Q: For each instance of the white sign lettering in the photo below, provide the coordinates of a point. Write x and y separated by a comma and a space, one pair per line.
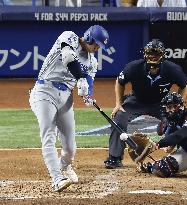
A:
177, 16
71, 16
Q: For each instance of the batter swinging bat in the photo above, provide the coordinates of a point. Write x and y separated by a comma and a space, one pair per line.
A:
129, 141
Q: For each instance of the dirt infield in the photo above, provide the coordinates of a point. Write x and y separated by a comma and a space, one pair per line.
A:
26, 182
24, 178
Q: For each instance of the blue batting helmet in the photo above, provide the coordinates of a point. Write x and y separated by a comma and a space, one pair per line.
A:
98, 35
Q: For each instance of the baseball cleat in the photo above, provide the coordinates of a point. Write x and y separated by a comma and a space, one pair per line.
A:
113, 163
70, 173
61, 185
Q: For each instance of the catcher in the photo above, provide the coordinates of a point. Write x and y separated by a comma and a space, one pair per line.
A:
174, 128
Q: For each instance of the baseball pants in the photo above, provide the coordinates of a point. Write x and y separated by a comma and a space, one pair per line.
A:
54, 111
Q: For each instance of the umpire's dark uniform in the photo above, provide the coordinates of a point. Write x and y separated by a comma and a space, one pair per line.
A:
147, 93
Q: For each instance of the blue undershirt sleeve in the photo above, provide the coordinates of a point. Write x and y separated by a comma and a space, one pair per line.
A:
90, 83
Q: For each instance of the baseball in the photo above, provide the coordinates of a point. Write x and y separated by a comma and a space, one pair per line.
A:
123, 136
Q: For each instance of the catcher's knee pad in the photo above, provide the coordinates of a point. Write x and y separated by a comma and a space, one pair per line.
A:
165, 167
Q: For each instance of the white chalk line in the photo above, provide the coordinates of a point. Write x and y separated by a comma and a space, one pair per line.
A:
102, 186
106, 184
7, 182
150, 192
18, 198
30, 148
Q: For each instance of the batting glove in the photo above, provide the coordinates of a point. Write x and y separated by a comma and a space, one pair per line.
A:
82, 86
88, 100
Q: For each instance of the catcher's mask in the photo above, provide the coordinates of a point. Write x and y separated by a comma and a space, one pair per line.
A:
173, 106
154, 53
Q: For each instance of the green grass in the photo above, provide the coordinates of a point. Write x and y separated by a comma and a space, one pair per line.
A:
92, 141
87, 119
19, 128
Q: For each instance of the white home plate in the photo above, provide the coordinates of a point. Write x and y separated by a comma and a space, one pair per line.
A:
150, 192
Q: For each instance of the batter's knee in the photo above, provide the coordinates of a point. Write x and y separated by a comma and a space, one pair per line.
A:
166, 167
68, 152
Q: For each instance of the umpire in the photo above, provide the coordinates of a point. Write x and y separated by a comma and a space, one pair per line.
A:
151, 79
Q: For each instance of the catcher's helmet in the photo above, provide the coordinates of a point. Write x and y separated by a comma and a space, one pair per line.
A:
97, 34
173, 106
154, 52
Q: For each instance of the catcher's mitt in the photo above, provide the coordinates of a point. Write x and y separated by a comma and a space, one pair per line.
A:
145, 147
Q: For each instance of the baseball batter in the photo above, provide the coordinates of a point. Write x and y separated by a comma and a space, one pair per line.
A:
174, 128
70, 61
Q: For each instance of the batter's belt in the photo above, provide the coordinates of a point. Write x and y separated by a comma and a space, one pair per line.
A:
58, 85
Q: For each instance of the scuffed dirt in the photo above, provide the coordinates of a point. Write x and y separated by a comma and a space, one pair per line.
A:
24, 180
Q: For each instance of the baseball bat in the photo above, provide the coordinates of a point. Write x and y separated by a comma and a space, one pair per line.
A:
129, 141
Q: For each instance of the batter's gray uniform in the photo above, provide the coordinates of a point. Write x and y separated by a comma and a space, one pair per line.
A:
52, 102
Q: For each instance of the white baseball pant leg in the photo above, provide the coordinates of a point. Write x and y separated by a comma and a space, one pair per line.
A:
46, 112
66, 133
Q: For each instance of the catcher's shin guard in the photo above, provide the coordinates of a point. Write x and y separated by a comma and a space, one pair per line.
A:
166, 167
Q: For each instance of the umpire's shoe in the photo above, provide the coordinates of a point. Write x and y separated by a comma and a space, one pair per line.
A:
113, 162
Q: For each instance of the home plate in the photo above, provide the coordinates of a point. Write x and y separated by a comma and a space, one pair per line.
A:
150, 192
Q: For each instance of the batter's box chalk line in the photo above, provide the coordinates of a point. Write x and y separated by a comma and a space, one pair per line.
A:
101, 186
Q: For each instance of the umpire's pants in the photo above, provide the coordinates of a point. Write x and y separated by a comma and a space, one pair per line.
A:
133, 109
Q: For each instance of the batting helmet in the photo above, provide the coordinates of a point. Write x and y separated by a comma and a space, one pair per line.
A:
154, 52
98, 35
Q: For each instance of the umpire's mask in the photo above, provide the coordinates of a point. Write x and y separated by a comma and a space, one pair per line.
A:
154, 53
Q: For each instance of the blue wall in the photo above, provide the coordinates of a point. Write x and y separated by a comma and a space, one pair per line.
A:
27, 34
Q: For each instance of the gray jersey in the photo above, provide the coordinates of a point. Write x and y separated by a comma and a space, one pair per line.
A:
53, 68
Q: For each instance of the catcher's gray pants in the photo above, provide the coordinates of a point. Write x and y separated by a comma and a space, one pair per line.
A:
54, 111
181, 156
133, 109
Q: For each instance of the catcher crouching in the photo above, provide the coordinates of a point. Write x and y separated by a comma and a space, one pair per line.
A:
174, 128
